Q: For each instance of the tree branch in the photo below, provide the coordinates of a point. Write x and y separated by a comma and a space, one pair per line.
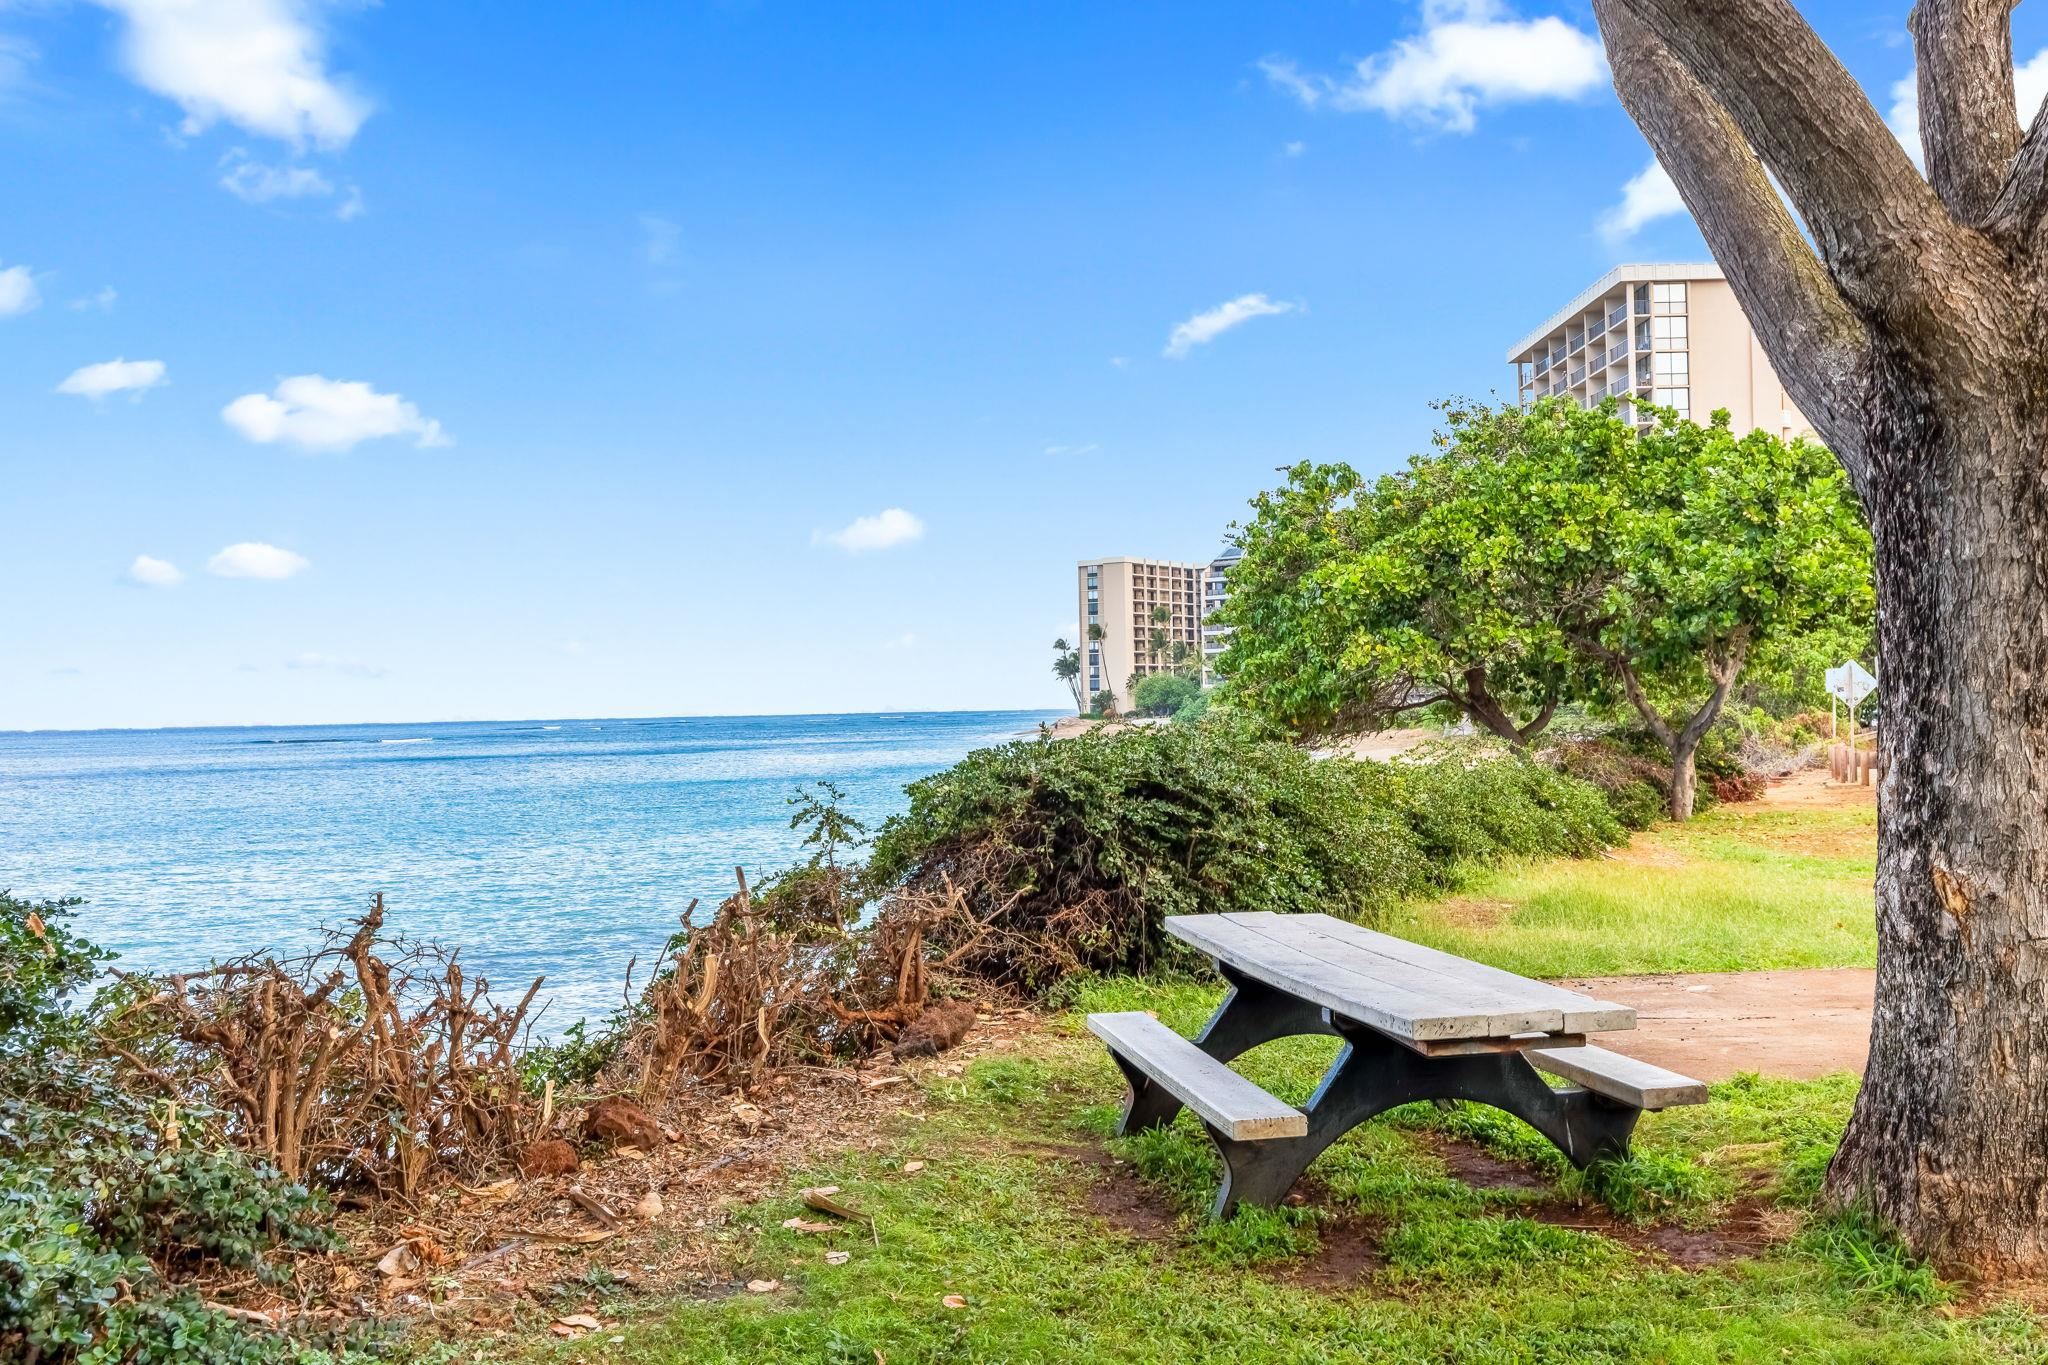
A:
2016, 215
1968, 130
1723, 669
1885, 237
1818, 346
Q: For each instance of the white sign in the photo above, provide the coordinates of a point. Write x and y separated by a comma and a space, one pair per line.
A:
1850, 683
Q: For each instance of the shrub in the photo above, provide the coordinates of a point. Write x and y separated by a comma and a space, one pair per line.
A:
106, 1195
1162, 694
1072, 853
1489, 809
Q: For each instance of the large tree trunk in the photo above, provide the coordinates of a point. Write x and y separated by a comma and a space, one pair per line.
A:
1950, 1137
1909, 327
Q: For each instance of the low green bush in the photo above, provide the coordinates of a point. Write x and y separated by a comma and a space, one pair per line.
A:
1072, 853
1162, 694
109, 1197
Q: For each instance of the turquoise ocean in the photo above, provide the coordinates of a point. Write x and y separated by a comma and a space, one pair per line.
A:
561, 848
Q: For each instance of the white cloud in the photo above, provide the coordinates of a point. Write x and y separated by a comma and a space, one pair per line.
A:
1203, 328
254, 559
348, 666
114, 376
1294, 149
101, 299
1088, 449
150, 572
907, 640
253, 182
317, 413
1648, 196
258, 64
18, 292
351, 206
1470, 54
1122, 362
889, 527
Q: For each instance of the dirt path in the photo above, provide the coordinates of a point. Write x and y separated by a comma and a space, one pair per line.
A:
1797, 1024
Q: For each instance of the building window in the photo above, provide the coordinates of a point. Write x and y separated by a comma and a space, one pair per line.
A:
1679, 400
1666, 299
1642, 298
1669, 332
1671, 367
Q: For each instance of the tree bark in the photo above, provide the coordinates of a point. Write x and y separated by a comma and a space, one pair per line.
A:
1949, 1140
1930, 380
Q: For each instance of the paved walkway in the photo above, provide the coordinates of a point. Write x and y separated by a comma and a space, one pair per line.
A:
1796, 1024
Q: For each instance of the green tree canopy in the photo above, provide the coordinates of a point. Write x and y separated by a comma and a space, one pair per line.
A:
1539, 557
1356, 601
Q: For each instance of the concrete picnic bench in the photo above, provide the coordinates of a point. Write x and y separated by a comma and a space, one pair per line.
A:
1417, 1024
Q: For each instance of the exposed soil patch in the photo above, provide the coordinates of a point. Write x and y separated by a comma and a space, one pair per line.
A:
1347, 1253
1481, 1169
1747, 1228
1129, 1205
1812, 787
1799, 1024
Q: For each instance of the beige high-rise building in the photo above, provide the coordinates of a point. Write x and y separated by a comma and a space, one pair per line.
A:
1672, 335
1119, 594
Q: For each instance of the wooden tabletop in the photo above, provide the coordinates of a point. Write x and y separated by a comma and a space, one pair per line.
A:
1419, 995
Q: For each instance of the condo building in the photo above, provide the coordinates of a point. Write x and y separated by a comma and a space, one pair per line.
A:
1215, 585
1671, 335
1119, 595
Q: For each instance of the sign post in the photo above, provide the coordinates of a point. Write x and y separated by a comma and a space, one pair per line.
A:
1851, 684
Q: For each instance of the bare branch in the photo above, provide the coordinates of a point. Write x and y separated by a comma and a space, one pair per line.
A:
1968, 129
1885, 237
1817, 344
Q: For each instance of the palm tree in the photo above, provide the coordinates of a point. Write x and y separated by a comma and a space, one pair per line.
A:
1066, 666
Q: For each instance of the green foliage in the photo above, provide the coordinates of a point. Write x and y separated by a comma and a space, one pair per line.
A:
1355, 599
1066, 666
1645, 1184
1492, 809
107, 1194
1869, 1256
1163, 694
1551, 555
1079, 849
43, 964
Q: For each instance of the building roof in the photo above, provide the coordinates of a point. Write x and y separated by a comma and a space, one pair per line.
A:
1606, 284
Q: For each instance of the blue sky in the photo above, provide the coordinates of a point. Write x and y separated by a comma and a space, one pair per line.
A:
680, 358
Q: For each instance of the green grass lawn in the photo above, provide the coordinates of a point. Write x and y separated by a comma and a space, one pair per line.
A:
1427, 1235
1740, 888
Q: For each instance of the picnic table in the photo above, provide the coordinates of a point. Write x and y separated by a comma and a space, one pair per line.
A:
1417, 1024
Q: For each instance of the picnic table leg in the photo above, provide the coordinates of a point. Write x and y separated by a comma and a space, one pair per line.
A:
1250, 1014
1374, 1073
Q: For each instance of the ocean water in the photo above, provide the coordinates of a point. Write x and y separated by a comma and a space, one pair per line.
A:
557, 848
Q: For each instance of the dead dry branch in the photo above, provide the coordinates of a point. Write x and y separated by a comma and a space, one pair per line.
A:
368, 1064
